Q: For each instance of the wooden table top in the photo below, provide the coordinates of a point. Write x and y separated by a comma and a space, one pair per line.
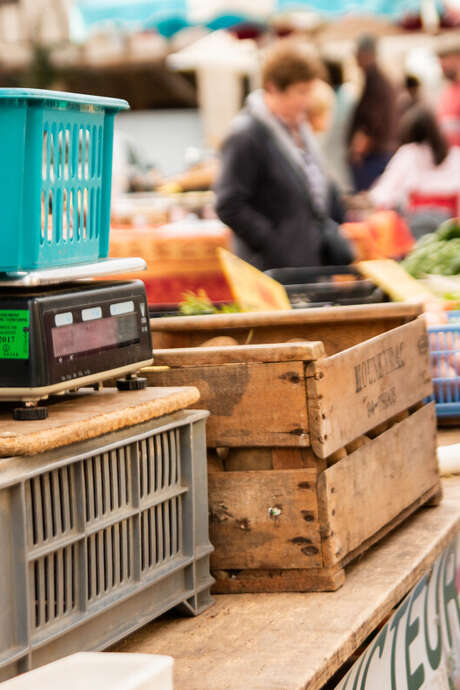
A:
298, 641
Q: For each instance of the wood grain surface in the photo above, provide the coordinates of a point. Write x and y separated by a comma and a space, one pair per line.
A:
361, 312
264, 519
253, 404
354, 391
276, 581
208, 356
363, 492
298, 641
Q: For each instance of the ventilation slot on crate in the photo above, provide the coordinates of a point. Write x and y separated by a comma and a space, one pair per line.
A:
107, 481
50, 510
109, 555
161, 533
445, 355
71, 171
159, 462
54, 585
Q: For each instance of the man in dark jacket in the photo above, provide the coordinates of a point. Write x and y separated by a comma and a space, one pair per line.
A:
373, 131
272, 191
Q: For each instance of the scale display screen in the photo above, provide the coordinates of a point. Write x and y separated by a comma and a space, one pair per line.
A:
96, 334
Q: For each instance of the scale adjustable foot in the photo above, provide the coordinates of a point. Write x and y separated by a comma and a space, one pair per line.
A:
131, 383
30, 411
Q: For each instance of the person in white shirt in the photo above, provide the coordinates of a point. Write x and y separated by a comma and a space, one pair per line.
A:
423, 171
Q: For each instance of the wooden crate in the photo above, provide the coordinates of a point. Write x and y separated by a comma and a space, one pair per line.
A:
336, 327
312, 458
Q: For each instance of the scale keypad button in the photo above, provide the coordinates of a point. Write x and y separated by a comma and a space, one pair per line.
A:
121, 308
63, 319
91, 313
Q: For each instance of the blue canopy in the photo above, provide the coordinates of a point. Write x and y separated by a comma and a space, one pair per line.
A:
166, 16
387, 8
169, 16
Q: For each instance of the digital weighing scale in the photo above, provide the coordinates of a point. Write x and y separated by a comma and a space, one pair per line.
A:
56, 337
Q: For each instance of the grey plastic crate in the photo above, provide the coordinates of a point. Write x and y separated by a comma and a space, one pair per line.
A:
99, 538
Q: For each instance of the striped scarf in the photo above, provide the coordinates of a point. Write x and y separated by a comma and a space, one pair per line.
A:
298, 146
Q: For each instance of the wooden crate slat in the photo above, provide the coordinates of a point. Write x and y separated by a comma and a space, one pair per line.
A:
255, 404
231, 354
288, 580
354, 391
295, 458
264, 519
365, 491
359, 312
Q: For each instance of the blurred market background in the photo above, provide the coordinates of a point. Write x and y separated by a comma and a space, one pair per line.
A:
186, 66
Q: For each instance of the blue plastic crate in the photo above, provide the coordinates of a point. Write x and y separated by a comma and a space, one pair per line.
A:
55, 177
444, 348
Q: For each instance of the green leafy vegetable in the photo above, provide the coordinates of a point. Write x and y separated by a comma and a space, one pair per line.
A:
196, 304
449, 229
436, 253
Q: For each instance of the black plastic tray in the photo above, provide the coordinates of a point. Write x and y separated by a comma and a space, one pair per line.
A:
314, 285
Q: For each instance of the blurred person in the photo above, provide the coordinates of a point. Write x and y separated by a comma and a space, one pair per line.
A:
411, 93
423, 172
449, 103
131, 171
334, 140
372, 135
272, 190
320, 107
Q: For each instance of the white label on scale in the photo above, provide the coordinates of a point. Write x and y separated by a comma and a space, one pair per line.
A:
64, 319
121, 308
91, 313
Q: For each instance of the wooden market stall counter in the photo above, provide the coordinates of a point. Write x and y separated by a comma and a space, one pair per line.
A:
297, 641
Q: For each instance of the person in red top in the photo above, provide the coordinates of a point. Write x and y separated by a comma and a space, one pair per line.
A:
449, 104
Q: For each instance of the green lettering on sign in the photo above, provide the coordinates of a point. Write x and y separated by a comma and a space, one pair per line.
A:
14, 334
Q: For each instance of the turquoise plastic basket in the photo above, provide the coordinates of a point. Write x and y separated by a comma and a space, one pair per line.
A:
55, 177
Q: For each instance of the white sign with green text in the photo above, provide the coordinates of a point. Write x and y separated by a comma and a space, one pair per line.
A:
419, 647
